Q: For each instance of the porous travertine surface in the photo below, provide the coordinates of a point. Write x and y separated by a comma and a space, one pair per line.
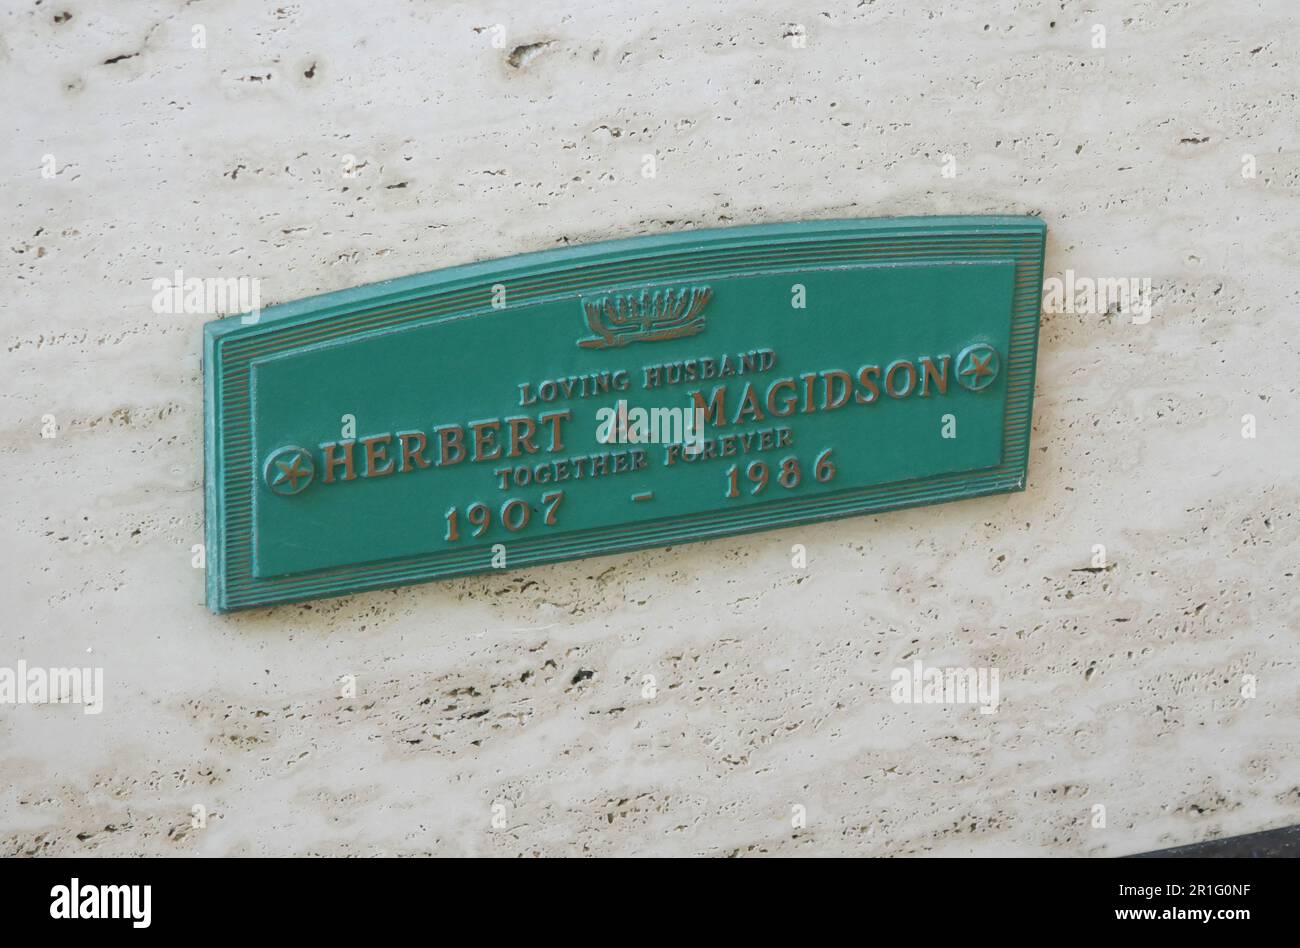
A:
509, 714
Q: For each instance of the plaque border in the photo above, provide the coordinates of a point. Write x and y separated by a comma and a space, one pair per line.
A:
465, 292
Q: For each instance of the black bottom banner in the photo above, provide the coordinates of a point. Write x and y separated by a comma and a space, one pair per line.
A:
1176, 895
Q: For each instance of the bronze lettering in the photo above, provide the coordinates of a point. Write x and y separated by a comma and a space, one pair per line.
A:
485, 440
378, 463
553, 419
894, 367
451, 445
939, 376
809, 379
866, 378
331, 461
830, 403
789, 405
749, 405
412, 444
522, 431
715, 410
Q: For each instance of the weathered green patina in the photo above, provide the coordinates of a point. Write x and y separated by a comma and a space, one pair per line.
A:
615, 396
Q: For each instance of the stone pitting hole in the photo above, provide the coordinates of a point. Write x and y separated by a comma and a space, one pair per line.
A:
522, 55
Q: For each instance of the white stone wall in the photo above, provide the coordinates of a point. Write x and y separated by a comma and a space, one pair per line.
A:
1121, 685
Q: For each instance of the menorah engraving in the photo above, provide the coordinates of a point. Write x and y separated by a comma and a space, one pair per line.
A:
650, 315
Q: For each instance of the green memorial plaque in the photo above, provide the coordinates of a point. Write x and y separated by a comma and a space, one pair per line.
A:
637, 393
